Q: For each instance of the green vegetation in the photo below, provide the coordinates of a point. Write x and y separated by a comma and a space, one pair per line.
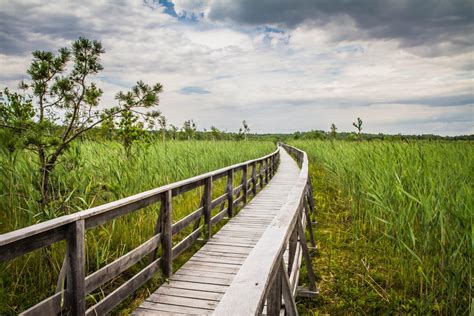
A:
93, 173
60, 104
395, 224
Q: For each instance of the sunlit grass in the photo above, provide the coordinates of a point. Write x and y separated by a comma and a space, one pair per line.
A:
413, 200
92, 174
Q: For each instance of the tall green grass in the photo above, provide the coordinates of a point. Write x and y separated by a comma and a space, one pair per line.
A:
94, 173
416, 196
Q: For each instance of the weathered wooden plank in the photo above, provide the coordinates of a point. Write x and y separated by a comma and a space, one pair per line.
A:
175, 308
219, 216
186, 243
208, 258
244, 183
116, 267
229, 191
238, 200
216, 274
238, 189
207, 205
213, 263
157, 231
287, 294
20, 247
230, 244
201, 279
217, 201
49, 306
223, 254
254, 179
307, 258
189, 293
166, 235
198, 286
141, 311
120, 210
274, 294
213, 266
234, 242
182, 223
232, 249
186, 187
77, 261
113, 299
181, 301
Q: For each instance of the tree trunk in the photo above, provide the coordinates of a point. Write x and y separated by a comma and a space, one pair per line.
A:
45, 184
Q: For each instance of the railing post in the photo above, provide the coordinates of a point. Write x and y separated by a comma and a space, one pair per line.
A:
274, 296
308, 219
166, 238
306, 256
158, 228
244, 183
207, 205
230, 193
254, 178
293, 242
267, 170
272, 166
261, 175
76, 273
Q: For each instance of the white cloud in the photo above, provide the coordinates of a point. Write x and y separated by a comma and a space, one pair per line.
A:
277, 81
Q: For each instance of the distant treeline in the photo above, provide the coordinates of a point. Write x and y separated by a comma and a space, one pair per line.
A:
215, 134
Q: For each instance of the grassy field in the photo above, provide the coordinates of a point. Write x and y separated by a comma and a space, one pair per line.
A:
394, 218
395, 226
95, 173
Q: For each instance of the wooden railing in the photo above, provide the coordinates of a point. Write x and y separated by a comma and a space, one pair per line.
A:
265, 280
72, 228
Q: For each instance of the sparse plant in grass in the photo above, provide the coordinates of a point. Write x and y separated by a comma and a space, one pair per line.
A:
358, 125
216, 133
162, 123
244, 130
189, 129
333, 131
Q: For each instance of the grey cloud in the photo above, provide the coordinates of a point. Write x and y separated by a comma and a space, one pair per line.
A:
22, 32
446, 100
414, 23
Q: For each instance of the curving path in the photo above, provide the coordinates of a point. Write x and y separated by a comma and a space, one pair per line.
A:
198, 286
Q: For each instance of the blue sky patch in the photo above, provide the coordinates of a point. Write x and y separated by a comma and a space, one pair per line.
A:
193, 90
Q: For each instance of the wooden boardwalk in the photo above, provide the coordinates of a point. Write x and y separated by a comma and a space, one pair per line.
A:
198, 286
249, 267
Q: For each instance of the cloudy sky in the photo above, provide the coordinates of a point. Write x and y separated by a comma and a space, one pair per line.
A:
403, 66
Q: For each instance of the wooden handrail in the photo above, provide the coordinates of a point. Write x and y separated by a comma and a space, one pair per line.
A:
263, 277
72, 228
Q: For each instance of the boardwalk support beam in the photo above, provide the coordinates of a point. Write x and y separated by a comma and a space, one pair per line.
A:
166, 240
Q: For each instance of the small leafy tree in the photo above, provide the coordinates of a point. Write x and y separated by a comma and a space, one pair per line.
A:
333, 130
162, 123
244, 130
358, 125
61, 105
189, 129
215, 132
130, 131
173, 131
